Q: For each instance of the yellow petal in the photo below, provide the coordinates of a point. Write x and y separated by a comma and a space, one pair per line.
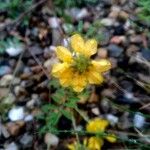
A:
90, 47
95, 143
111, 138
101, 65
77, 43
66, 77
94, 77
63, 54
58, 69
97, 125
78, 82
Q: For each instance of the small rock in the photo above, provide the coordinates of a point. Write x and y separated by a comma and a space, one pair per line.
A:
54, 22
123, 15
26, 140
16, 113
5, 70
9, 99
95, 111
132, 49
50, 62
146, 54
108, 22
112, 119
114, 50
138, 120
28, 118
124, 122
12, 146
82, 14
51, 139
144, 78
7, 79
114, 62
113, 14
77, 13
118, 39
102, 53
136, 39
14, 51
14, 128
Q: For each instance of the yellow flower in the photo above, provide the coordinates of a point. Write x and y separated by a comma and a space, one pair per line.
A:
93, 143
111, 138
76, 69
97, 125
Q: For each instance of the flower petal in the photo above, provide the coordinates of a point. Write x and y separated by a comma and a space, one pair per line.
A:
66, 77
77, 43
101, 65
91, 47
97, 125
63, 54
78, 82
58, 69
111, 138
94, 77
95, 143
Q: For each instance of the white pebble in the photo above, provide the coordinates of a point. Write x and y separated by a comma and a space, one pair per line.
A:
16, 113
112, 119
51, 139
11, 146
14, 51
28, 118
138, 120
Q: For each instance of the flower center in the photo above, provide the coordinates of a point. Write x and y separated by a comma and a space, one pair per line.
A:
81, 63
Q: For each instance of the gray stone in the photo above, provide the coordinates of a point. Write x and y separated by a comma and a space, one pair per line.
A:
114, 50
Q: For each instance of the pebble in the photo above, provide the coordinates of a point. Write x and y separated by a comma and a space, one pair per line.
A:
7, 79
51, 139
12, 146
138, 120
132, 49
14, 51
95, 111
112, 119
14, 128
107, 22
5, 70
136, 39
102, 53
54, 22
77, 13
16, 113
28, 118
118, 39
26, 140
146, 54
114, 50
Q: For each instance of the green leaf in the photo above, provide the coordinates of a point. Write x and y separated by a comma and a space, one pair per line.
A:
67, 114
53, 118
80, 27
74, 99
71, 104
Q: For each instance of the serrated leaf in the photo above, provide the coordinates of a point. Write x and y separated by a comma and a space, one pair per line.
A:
53, 119
74, 99
70, 104
67, 114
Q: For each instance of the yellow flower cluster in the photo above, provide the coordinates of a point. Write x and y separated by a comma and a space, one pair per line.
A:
76, 69
95, 143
